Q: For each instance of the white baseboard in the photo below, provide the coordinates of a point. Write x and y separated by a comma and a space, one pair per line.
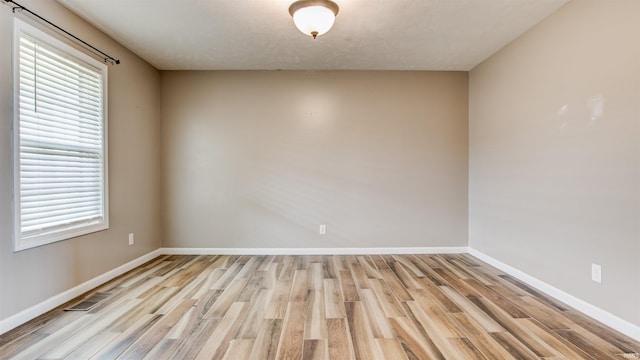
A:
314, 251
57, 300
593, 311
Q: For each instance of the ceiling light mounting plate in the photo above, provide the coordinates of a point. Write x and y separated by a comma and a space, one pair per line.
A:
297, 5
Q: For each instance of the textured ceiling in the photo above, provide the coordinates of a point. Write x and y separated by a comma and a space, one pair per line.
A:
367, 35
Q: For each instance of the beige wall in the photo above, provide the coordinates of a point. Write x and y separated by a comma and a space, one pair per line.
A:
554, 185
260, 159
31, 276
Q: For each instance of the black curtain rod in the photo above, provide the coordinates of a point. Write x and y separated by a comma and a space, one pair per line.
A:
86, 44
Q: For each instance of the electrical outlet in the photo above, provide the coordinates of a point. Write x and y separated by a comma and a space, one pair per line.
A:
132, 239
596, 273
323, 229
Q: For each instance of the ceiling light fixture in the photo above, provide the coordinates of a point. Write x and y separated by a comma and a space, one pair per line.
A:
314, 17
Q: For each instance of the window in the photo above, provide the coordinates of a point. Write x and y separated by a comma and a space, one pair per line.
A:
59, 140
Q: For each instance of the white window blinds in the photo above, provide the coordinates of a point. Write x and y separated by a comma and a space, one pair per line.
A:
60, 187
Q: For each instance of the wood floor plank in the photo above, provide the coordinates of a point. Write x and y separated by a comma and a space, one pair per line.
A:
430, 331
584, 344
54, 324
227, 299
149, 339
189, 270
408, 281
551, 317
134, 292
390, 305
379, 262
255, 283
315, 349
255, 315
248, 270
317, 307
428, 260
563, 347
406, 262
47, 343
513, 346
379, 323
278, 305
391, 349
292, 339
333, 302
89, 348
208, 282
489, 324
360, 278
185, 293
465, 349
26, 341
193, 343
361, 335
300, 286
415, 345
271, 276
96, 326
220, 338
239, 349
149, 305
315, 276
459, 284
163, 349
316, 320
397, 288
267, 340
480, 338
205, 303
448, 266
369, 267
430, 271
144, 275
597, 341
436, 293
471, 271
286, 267
179, 333
614, 338
540, 296
530, 340
127, 337
436, 315
504, 304
328, 267
339, 342
266, 263
230, 274
348, 286
340, 263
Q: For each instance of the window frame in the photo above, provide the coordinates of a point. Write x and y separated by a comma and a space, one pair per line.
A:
75, 55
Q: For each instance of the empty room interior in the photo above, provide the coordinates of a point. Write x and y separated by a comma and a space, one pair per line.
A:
416, 179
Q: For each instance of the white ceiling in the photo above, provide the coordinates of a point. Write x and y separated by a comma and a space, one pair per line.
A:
367, 35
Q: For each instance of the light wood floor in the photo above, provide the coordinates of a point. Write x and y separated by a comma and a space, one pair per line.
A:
317, 307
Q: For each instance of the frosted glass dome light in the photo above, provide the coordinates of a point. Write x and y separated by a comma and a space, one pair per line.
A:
314, 17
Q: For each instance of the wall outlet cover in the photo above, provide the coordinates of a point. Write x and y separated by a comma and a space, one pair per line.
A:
596, 273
